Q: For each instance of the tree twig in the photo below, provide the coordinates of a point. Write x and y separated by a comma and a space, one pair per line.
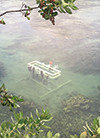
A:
18, 10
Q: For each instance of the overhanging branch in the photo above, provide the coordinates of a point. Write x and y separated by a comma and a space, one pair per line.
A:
18, 10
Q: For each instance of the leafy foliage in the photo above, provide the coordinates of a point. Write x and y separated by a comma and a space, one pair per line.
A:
2, 22
90, 132
48, 9
8, 100
26, 127
23, 127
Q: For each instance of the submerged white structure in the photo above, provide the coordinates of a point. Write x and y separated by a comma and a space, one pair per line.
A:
43, 70
45, 75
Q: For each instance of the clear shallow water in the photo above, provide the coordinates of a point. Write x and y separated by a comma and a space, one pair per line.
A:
73, 43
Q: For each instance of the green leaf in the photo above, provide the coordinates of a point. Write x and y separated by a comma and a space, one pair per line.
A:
95, 122
29, 7
30, 120
68, 10
38, 1
3, 85
83, 134
25, 121
26, 136
10, 100
37, 113
89, 130
21, 114
66, 1
17, 117
73, 6
40, 11
26, 12
17, 99
3, 125
31, 116
40, 131
62, 10
98, 120
10, 107
0, 128
98, 130
54, 13
28, 18
46, 16
45, 126
43, 111
20, 125
37, 121
57, 135
20, 100
16, 105
12, 119
49, 134
48, 119
65, 4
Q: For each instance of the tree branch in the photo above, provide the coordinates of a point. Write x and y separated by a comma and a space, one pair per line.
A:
19, 10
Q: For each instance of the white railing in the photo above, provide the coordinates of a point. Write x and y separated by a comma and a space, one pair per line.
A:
43, 69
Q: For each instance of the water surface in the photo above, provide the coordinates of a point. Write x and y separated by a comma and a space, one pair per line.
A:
73, 44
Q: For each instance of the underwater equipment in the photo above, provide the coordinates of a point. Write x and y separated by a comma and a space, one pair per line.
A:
45, 75
44, 70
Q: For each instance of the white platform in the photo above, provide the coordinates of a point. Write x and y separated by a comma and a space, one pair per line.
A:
44, 70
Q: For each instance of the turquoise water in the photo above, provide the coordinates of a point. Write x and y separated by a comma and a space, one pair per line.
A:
73, 44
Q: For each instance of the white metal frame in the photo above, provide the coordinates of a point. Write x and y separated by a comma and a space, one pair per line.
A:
47, 70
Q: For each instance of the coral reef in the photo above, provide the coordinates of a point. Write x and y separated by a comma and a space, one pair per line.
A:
79, 102
73, 114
